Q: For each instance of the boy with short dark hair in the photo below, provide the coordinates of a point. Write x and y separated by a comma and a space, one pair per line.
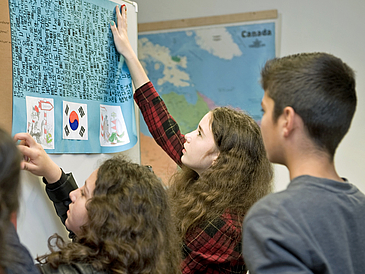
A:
317, 224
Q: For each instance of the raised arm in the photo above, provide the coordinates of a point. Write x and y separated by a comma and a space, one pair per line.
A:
123, 46
58, 184
161, 124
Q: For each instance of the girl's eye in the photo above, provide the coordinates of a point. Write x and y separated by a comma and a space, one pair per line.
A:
82, 192
262, 110
199, 133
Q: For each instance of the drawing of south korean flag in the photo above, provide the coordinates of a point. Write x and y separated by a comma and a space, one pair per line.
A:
75, 121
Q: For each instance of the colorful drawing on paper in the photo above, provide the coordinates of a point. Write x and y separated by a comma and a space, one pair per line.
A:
75, 126
113, 131
40, 120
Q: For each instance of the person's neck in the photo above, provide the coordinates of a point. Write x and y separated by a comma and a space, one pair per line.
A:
318, 165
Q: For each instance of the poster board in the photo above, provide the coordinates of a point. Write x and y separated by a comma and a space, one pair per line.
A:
36, 218
198, 64
72, 90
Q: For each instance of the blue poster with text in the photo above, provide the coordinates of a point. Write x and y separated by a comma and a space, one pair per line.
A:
72, 91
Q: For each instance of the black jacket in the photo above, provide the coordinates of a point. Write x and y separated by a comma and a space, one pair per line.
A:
59, 192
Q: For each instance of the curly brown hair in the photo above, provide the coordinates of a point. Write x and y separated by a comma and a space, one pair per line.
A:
241, 174
129, 228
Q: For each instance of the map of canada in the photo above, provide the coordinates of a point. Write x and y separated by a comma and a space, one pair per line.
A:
196, 70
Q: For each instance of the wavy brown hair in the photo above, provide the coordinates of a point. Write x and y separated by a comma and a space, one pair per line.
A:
10, 159
239, 176
129, 228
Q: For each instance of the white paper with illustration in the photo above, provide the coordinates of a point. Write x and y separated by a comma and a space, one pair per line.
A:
113, 131
40, 120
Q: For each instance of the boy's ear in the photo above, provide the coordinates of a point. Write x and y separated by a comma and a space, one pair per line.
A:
289, 123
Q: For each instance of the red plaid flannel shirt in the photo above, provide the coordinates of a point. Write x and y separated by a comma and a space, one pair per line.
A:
161, 125
217, 246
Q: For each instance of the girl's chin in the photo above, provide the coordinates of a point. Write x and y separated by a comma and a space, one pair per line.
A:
67, 225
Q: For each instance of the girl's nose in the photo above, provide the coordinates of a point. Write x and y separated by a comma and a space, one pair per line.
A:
187, 137
73, 195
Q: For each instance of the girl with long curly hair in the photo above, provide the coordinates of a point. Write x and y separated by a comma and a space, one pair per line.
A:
224, 170
120, 218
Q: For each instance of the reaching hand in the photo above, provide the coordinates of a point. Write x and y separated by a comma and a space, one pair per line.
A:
123, 46
120, 34
36, 160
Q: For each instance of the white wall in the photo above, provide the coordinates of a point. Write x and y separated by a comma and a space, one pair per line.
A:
333, 26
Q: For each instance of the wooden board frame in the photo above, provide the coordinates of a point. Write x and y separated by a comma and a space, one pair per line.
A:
6, 68
210, 20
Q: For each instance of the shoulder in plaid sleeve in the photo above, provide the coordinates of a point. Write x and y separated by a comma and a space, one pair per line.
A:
215, 247
161, 125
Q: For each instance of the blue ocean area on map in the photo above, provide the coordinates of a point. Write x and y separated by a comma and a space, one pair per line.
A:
209, 66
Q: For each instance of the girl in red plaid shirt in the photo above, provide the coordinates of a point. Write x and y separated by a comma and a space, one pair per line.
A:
224, 170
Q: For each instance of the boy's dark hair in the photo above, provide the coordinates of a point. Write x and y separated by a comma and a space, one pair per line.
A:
321, 90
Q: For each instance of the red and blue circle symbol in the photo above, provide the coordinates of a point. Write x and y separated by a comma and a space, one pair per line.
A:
73, 120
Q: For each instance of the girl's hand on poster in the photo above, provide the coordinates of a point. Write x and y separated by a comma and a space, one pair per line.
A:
36, 159
120, 30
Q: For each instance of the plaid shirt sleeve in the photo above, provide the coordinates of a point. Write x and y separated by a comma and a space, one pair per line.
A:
215, 247
161, 125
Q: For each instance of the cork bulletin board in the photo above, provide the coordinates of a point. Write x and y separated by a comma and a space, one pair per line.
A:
6, 101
